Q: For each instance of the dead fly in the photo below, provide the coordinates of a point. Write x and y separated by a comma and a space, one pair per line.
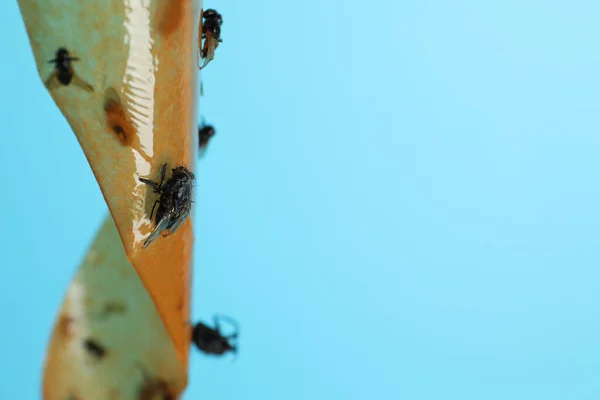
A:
153, 388
211, 33
174, 203
63, 72
94, 348
212, 341
205, 133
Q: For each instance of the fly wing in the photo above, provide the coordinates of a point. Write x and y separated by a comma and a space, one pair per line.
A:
210, 45
200, 65
202, 149
180, 220
161, 226
208, 59
52, 81
77, 81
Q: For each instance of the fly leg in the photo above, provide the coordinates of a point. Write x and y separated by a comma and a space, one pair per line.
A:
156, 187
153, 185
163, 173
152, 212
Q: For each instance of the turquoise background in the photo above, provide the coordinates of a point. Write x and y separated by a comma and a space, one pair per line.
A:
401, 202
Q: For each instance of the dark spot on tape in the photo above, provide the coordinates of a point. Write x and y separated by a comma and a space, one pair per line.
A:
117, 117
94, 347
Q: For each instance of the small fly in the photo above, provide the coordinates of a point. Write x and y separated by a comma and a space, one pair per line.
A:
211, 33
174, 203
212, 341
63, 72
205, 133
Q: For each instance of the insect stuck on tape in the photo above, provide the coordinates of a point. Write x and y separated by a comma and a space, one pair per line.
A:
212, 341
174, 202
211, 33
64, 74
205, 133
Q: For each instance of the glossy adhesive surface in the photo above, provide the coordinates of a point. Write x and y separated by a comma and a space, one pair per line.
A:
139, 56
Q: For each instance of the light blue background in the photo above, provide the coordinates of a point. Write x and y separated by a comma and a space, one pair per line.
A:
401, 202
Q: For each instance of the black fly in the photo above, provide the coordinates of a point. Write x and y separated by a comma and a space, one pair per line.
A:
205, 133
211, 33
212, 24
212, 341
174, 203
63, 72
